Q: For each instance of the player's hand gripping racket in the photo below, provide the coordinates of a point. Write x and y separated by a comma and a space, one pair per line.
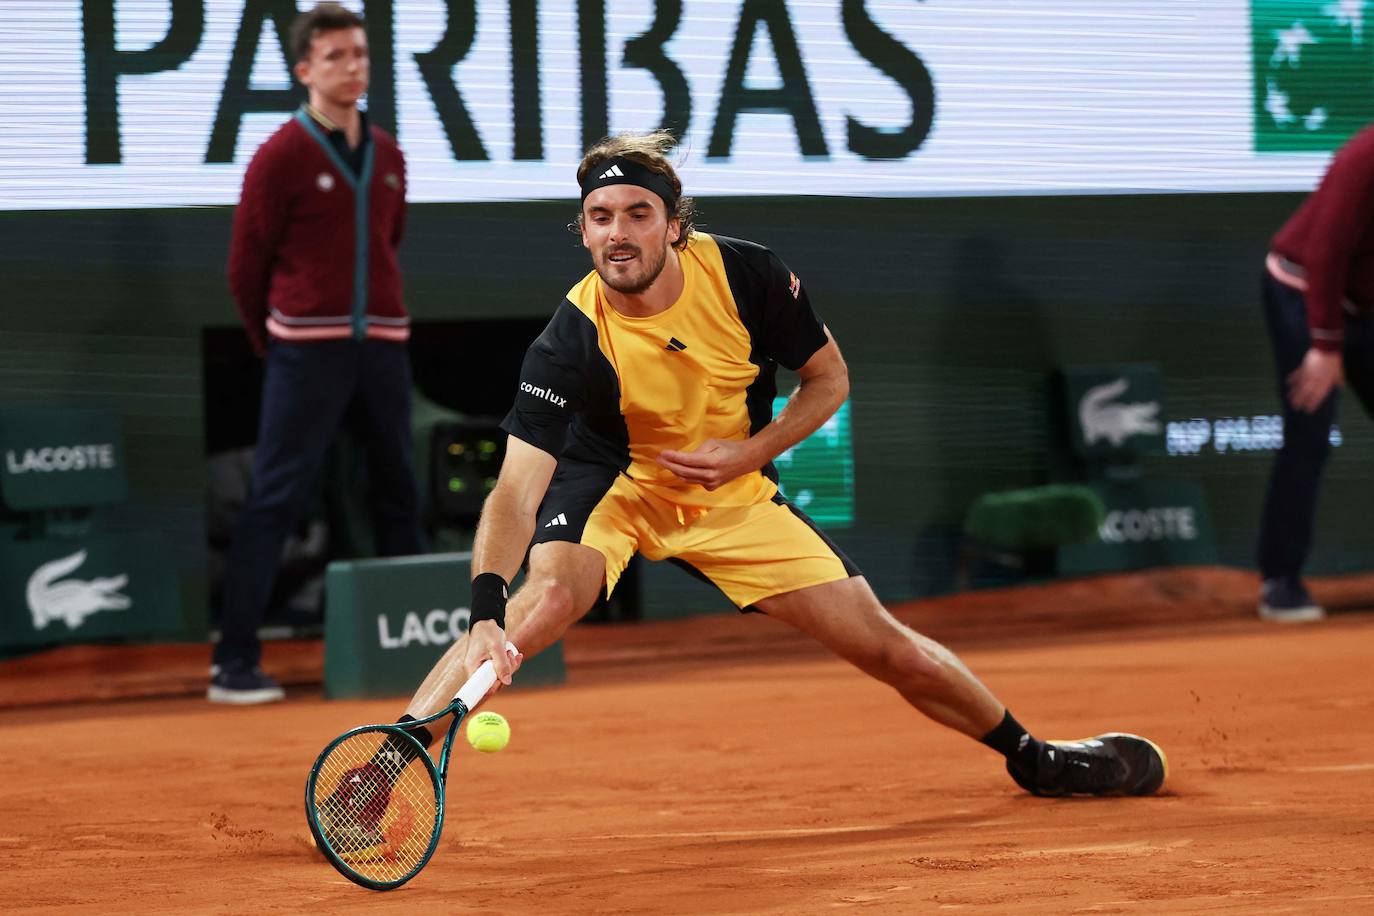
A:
375, 799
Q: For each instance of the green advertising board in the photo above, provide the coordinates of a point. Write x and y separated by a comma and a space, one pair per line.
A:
1313, 69
387, 621
817, 474
1162, 522
80, 589
1113, 411
57, 458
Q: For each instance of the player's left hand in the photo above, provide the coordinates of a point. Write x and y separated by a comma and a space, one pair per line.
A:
712, 464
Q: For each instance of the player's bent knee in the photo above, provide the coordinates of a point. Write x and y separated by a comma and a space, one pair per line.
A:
557, 606
557, 599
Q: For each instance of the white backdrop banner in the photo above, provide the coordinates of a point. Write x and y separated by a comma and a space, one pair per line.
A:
157, 103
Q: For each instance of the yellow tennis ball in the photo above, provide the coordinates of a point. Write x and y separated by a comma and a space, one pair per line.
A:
488, 732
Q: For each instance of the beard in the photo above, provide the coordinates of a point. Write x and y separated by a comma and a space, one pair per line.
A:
634, 283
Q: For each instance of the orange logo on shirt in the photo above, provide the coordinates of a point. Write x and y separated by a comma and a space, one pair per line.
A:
794, 286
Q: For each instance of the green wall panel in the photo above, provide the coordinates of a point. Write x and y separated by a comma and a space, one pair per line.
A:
951, 312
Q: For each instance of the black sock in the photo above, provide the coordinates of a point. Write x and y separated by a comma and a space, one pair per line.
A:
395, 747
418, 732
1014, 743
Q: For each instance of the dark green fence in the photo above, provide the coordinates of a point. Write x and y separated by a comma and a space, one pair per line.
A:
952, 314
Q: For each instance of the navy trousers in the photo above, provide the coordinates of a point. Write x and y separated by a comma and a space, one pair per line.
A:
307, 393
1290, 504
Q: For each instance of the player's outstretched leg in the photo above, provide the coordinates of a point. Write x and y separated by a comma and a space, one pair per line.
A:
934, 680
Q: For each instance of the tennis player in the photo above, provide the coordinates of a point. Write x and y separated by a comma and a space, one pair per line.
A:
643, 424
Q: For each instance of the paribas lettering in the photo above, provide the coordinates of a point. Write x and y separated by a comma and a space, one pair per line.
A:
760, 30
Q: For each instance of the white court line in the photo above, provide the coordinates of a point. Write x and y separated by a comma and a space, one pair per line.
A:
1337, 768
780, 832
1137, 847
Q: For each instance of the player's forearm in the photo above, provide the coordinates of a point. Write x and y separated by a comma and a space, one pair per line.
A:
814, 402
503, 534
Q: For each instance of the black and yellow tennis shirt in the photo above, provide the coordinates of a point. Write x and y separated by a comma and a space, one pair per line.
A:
602, 388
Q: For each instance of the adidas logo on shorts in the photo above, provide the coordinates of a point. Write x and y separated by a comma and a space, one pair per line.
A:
612, 172
559, 519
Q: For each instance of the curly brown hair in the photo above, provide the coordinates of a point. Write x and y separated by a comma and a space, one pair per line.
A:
651, 151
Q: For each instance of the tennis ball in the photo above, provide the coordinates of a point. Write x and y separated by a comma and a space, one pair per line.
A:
488, 732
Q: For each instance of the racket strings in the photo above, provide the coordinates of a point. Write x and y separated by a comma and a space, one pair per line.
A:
375, 805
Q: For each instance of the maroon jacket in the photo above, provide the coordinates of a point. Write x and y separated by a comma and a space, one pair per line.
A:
298, 268
1326, 248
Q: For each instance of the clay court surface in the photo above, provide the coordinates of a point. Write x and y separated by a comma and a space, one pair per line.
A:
722, 765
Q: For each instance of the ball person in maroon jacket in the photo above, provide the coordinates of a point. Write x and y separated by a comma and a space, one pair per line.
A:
313, 270
1318, 293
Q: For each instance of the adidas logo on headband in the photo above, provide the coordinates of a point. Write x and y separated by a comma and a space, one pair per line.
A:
621, 170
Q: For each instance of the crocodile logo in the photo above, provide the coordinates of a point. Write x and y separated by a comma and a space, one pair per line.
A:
71, 600
1102, 419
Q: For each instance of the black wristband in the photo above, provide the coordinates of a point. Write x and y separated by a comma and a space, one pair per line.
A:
488, 600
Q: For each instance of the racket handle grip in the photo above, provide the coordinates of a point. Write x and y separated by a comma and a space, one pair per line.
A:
480, 684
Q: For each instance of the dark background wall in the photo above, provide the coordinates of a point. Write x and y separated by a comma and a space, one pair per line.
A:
951, 312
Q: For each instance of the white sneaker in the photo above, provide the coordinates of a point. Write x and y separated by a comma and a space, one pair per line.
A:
242, 685
1287, 601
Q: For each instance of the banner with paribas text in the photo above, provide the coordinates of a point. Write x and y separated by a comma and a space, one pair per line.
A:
160, 103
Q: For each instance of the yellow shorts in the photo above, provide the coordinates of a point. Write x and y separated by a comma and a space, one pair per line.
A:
748, 552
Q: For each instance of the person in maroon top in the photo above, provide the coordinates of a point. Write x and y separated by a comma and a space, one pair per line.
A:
313, 269
1318, 294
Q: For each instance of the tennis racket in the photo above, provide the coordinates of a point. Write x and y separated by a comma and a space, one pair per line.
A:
375, 798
